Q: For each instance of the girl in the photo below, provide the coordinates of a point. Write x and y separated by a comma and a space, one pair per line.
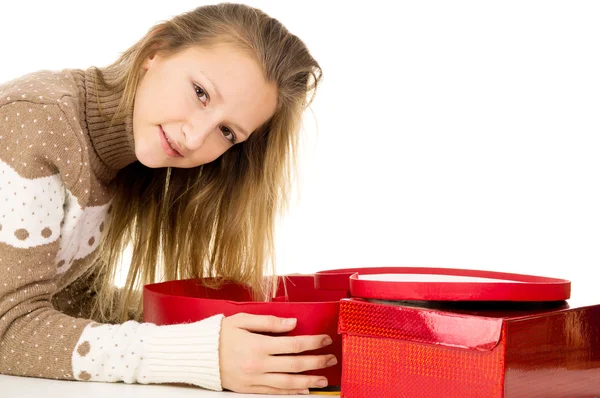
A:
183, 148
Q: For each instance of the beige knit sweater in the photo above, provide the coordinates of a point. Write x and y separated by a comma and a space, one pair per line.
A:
58, 155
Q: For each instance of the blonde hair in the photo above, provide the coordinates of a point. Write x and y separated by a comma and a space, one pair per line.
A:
216, 220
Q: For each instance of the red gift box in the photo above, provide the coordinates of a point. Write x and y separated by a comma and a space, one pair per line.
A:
470, 334
470, 349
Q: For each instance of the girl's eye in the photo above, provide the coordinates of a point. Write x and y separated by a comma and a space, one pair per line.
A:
227, 132
229, 135
201, 93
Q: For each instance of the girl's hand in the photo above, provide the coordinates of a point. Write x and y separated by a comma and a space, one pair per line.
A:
253, 363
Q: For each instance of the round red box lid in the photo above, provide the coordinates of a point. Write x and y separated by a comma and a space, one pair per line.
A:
442, 284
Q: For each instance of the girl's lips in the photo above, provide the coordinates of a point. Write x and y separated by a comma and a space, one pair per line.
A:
166, 146
175, 145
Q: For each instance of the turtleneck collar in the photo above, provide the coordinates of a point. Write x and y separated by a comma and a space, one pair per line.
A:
113, 144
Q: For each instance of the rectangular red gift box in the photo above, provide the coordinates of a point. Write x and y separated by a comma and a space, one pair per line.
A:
469, 349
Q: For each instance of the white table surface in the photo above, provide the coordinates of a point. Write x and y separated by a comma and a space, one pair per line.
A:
29, 387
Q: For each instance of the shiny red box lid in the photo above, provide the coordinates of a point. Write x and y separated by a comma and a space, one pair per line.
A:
442, 284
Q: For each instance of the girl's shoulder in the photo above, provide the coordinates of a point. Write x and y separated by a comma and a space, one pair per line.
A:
40, 129
32, 101
43, 87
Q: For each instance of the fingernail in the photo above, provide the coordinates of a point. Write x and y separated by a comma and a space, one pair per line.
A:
322, 383
332, 361
288, 321
327, 341
304, 392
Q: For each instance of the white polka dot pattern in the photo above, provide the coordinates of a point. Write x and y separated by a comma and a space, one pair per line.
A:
30, 210
146, 353
114, 353
80, 232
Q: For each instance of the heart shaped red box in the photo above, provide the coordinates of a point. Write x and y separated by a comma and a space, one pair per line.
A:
317, 311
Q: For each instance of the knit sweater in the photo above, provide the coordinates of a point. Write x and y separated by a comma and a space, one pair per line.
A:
58, 155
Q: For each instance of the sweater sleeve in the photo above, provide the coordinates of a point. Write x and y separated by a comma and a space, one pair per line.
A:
39, 341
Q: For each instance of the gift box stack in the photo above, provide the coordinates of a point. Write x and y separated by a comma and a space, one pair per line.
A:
517, 336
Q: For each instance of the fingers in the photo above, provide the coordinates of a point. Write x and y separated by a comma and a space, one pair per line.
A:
290, 382
298, 364
273, 324
295, 344
262, 323
275, 391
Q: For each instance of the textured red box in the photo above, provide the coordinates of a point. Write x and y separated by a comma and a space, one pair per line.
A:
470, 349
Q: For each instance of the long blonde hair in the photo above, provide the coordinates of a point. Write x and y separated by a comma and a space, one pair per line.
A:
216, 220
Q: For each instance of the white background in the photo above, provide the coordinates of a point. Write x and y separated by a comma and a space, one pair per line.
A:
450, 134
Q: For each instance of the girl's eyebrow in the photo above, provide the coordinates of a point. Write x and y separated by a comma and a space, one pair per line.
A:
212, 82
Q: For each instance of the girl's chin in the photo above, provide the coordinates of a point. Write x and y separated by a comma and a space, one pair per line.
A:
150, 160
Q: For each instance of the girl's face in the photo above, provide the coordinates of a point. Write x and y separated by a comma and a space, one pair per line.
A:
191, 107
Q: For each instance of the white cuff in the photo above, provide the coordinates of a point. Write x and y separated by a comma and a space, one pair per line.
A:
185, 353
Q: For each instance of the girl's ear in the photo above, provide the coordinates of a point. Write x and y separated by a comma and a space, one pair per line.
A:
151, 59
155, 47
